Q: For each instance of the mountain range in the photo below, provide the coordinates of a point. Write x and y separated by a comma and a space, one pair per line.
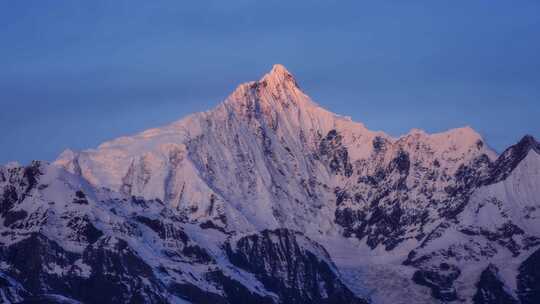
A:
269, 198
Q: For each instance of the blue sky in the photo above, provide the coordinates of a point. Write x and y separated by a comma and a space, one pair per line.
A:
77, 73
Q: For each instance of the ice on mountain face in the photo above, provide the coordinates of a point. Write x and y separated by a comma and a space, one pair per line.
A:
499, 227
101, 245
141, 250
254, 156
437, 208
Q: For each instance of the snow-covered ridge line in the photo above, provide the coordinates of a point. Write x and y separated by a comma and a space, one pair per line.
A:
278, 76
268, 181
176, 163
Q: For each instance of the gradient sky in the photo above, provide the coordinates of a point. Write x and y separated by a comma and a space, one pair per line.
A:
77, 73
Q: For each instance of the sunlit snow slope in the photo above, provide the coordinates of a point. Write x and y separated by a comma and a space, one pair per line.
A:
271, 198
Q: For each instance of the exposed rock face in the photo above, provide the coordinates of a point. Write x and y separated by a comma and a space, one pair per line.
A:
529, 279
409, 184
511, 158
118, 249
491, 290
19, 182
11, 291
145, 218
440, 280
292, 266
498, 224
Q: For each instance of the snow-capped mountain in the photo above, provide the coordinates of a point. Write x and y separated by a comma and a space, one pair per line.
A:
269, 198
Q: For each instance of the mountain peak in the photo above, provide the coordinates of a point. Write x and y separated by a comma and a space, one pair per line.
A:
277, 87
512, 157
279, 69
528, 142
279, 75
528, 139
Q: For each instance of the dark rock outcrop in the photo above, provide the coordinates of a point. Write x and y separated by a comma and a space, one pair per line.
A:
528, 286
287, 263
440, 281
490, 289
